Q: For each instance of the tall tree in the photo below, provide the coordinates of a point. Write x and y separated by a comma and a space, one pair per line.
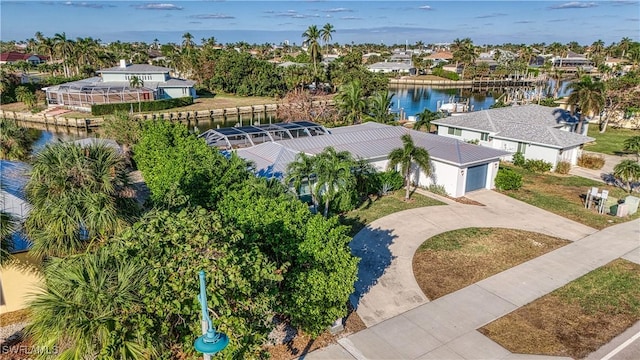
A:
80, 196
425, 117
325, 34
301, 171
405, 157
63, 48
588, 96
351, 102
628, 171
310, 40
379, 107
14, 141
333, 172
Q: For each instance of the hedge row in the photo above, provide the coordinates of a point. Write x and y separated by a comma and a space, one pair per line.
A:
106, 109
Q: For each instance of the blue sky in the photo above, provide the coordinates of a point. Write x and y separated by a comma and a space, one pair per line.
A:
388, 22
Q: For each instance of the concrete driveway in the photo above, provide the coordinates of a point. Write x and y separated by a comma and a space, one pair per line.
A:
386, 286
610, 161
403, 324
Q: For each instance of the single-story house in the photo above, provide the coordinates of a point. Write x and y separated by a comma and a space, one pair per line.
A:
538, 132
14, 56
392, 67
115, 85
458, 166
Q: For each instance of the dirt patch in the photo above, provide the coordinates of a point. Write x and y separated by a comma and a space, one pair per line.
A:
453, 260
467, 201
303, 344
576, 319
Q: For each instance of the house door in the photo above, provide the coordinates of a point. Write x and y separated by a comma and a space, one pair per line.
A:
476, 178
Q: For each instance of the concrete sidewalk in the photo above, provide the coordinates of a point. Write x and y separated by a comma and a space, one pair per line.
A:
386, 286
446, 328
610, 161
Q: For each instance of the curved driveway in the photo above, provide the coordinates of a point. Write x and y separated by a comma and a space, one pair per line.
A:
386, 286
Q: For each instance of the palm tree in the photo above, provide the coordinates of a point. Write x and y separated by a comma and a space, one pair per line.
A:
351, 102
406, 157
136, 83
588, 96
63, 47
299, 171
79, 196
379, 106
333, 172
325, 34
633, 144
425, 118
88, 308
14, 141
23, 94
628, 171
311, 37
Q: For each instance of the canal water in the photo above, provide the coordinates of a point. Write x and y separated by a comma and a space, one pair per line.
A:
411, 100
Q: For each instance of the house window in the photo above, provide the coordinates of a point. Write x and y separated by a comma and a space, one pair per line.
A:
522, 147
484, 136
455, 131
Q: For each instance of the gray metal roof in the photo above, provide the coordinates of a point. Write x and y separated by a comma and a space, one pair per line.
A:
138, 68
366, 141
529, 123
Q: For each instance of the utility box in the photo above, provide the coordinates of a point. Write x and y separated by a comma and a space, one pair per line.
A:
622, 210
632, 204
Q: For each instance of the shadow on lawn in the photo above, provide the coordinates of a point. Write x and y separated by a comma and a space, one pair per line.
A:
372, 247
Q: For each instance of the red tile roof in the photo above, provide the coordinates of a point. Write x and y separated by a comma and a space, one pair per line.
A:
12, 56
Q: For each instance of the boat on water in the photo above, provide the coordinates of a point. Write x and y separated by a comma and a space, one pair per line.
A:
455, 106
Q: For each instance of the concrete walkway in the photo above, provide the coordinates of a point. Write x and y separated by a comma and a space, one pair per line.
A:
446, 328
386, 286
610, 161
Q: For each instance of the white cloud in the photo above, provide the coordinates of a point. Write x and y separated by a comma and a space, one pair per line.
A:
159, 6
574, 5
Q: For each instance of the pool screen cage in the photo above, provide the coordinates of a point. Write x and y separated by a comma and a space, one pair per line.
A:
83, 96
245, 136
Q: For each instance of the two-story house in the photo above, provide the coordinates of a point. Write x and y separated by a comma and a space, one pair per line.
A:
120, 84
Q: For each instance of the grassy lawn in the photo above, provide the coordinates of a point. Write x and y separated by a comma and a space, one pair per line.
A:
576, 319
611, 141
564, 195
453, 260
377, 207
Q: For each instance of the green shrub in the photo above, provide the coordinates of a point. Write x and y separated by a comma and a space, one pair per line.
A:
389, 180
445, 74
518, 159
563, 167
588, 161
508, 179
538, 166
107, 109
438, 189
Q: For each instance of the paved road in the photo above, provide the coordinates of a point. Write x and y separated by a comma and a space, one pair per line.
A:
446, 328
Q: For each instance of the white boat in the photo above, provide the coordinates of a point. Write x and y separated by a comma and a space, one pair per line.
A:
455, 107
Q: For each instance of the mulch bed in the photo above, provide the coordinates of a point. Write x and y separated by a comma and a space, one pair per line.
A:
303, 344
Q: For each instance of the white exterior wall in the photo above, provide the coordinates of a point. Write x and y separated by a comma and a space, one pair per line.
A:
538, 152
492, 171
380, 165
570, 155
446, 175
177, 92
114, 77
